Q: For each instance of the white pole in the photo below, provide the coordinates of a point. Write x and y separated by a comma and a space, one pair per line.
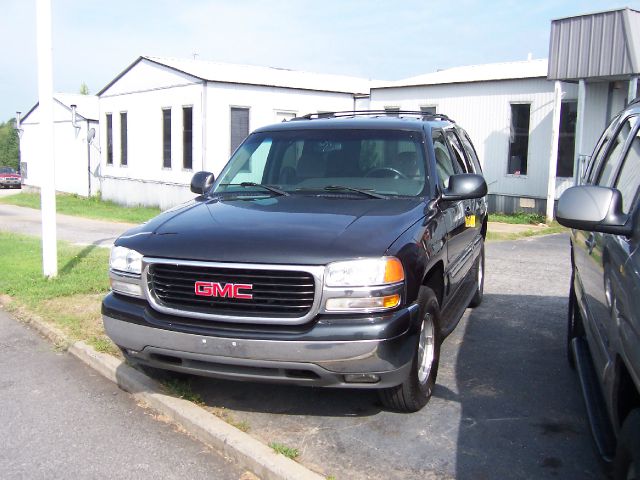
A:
582, 98
553, 158
45, 94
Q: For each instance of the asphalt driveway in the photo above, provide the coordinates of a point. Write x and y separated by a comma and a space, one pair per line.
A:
506, 404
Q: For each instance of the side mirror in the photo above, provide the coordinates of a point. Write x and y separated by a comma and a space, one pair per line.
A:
201, 182
593, 208
465, 186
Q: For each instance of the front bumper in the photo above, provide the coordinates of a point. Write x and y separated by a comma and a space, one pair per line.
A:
368, 352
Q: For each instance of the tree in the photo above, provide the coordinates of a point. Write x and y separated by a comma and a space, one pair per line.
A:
84, 89
9, 144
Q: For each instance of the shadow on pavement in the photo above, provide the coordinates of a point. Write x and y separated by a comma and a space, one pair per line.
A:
522, 415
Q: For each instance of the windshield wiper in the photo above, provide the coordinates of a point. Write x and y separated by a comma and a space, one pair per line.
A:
336, 188
272, 189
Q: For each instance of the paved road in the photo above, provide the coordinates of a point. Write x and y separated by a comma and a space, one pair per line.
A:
59, 419
80, 231
506, 404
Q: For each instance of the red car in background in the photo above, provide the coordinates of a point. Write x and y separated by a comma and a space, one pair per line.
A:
9, 178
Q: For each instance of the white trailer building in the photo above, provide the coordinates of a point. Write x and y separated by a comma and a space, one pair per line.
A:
163, 119
77, 158
507, 109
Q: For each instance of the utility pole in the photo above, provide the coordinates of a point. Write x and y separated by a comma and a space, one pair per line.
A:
45, 95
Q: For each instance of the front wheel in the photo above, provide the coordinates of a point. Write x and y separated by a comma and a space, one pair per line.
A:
626, 465
416, 390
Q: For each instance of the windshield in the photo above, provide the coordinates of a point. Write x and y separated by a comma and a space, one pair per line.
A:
387, 162
7, 170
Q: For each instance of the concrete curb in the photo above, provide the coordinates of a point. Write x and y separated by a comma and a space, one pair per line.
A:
245, 450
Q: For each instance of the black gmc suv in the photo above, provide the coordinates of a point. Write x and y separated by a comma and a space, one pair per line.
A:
604, 301
333, 250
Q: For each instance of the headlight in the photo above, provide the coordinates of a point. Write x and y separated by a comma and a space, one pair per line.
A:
125, 260
365, 272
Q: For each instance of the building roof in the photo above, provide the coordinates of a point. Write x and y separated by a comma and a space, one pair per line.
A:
602, 45
254, 75
86, 105
474, 73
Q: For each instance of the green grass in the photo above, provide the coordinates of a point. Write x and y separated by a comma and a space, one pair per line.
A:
182, 389
520, 218
86, 207
282, 449
71, 301
554, 227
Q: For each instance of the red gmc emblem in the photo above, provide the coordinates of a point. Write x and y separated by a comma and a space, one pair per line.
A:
229, 290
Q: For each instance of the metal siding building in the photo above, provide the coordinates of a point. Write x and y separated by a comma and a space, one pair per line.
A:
479, 98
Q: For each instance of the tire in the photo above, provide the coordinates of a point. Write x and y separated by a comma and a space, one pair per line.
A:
479, 279
626, 465
415, 392
575, 327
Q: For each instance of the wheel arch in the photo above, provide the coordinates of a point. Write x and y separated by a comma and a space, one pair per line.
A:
627, 396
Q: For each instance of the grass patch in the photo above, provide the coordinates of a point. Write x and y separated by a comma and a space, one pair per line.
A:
520, 218
282, 449
71, 301
182, 389
225, 415
554, 227
92, 207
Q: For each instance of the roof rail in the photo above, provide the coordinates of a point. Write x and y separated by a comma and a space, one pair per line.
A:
381, 113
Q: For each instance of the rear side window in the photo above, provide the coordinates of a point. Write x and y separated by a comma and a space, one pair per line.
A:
629, 178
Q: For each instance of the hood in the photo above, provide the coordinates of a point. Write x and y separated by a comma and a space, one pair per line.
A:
282, 230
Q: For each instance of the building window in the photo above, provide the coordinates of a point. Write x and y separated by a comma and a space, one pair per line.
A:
166, 138
567, 139
239, 126
392, 111
519, 139
109, 139
187, 138
123, 139
429, 110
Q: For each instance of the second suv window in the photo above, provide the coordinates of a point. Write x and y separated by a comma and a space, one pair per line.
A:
629, 179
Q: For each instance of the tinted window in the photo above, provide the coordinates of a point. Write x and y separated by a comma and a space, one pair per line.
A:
613, 157
471, 152
458, 151
629, 178
388, 162
445, 165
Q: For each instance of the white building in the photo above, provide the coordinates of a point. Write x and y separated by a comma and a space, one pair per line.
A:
77, 161
163, 119
507, 109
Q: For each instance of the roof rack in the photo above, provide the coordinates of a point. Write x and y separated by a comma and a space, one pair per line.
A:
379, 113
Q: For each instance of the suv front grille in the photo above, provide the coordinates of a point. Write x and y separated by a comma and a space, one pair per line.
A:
275, 293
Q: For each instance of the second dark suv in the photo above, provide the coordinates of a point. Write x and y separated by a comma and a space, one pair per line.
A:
604, 302
335, 251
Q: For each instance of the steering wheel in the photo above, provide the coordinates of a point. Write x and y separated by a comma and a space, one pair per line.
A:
383, 172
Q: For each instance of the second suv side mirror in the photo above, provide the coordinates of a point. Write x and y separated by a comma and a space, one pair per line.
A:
593, 208
465, 186
201, 182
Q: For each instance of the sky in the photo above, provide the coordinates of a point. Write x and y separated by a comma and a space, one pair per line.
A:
94, 40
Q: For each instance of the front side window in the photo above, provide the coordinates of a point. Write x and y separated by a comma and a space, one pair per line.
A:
300, 161
629, 179
445, 164
613, 156
519, 139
